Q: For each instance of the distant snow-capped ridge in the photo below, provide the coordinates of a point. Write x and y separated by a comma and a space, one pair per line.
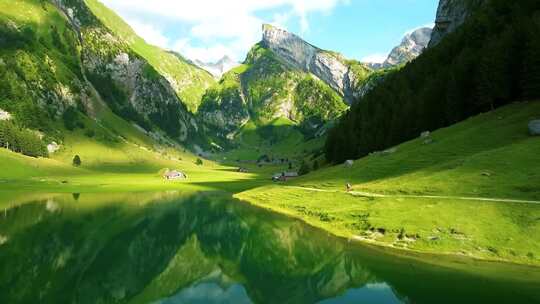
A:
412, 45
218, 68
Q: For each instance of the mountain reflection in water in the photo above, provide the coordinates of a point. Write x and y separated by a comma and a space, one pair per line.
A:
210, 248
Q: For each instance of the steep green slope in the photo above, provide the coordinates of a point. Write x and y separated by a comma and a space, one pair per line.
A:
490, 61
40, 74
463, 190
188, 81
63, 70
263, 89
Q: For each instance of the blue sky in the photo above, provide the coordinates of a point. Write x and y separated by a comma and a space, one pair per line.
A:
208, 29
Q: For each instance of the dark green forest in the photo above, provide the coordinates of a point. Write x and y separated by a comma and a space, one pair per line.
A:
492, 60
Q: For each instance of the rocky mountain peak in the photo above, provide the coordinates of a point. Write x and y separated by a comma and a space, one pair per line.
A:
411, 46
290, 47
300, 54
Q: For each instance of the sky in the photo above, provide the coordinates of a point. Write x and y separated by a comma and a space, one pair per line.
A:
206, 30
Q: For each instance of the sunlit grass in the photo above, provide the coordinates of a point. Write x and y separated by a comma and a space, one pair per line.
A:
491, 155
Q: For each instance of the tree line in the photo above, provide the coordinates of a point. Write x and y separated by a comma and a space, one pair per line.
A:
490, 61
20, 140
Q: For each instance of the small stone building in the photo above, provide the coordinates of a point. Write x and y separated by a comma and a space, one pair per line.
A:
173, 175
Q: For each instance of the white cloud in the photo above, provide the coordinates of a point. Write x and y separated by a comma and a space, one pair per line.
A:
189, 10
230, 26
210, 53
149, 33
430, 25
375, 58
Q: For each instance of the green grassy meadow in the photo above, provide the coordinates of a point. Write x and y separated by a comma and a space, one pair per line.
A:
487, 156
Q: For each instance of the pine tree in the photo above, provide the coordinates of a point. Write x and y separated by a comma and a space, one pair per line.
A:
304, 168
531, 72
77, 161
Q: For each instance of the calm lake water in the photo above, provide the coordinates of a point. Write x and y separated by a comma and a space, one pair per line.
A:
209, 248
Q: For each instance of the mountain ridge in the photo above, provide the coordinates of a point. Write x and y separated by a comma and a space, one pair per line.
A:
410, 47
218, 68
330, 67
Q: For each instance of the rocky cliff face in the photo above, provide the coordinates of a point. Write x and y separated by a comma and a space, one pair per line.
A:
411, 46
450, 15
327, 66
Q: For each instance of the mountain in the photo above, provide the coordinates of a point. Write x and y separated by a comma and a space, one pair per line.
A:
72, 65
218, 68
487, 62
412, 45
265, 88
342, 75
127, 81
188, 81
450, 15
283, 77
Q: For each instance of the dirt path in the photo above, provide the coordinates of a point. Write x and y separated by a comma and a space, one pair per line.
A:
464, 198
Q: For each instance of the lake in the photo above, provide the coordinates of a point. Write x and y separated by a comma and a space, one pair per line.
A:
176, 247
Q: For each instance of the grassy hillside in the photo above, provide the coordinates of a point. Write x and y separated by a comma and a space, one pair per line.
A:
119, 167
117, 157
189, 81
40, 73
487, 156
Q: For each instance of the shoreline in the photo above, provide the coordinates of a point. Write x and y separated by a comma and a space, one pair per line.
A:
402, 252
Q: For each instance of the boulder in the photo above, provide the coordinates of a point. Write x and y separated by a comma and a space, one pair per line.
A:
349, 163
53, 147
534, 127
4, 115
389, 151
425, 134
428, 141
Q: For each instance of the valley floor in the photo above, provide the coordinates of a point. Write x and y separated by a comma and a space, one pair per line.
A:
473, 190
